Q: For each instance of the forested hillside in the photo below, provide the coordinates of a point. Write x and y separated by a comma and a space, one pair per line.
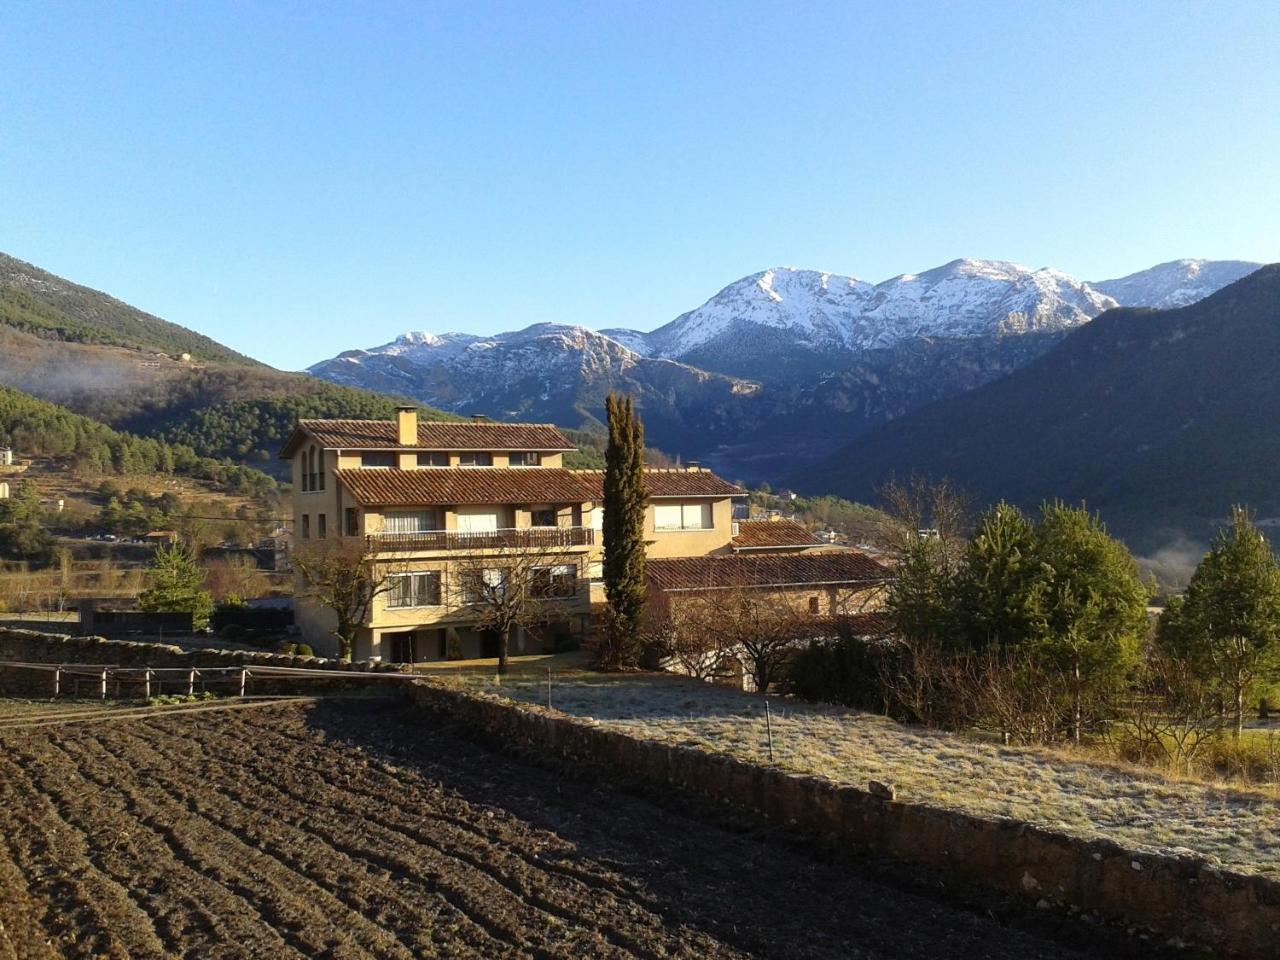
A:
93, 355
35, 428
254, 430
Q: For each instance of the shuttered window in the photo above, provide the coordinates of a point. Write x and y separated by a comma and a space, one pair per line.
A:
682, 516
411, 521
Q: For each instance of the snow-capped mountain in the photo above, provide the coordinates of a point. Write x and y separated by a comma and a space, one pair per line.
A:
1177, 283
824, 311
547, 372
779, 364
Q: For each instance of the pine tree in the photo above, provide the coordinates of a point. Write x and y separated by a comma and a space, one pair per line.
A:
625, 502
1091, 606
1228, 624
177, 585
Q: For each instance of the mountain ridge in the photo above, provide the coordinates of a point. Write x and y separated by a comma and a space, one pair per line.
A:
782, 361
1159, 419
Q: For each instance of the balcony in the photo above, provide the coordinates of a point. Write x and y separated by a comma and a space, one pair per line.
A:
512, 537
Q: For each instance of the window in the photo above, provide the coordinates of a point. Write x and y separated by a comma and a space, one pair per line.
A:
475, 459
525, 458
482, 586
543, 517
682, 516
306, 526
560, 580
414, 590
322, 526
320, 470
302, 476
433, 459
351, 524
368, 460
813, 606
411, 521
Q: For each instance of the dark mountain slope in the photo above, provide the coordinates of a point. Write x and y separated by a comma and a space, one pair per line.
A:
1159, 419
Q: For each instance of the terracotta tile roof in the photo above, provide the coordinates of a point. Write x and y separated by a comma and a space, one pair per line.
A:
457, 485
432, 435
763, 534
515, 485
662, 483
736, 570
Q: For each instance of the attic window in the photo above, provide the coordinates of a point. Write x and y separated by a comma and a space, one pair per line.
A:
525, 458
475, 459
381, 460
433, 458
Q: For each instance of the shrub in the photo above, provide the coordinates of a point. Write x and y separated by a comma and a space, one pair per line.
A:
844, 671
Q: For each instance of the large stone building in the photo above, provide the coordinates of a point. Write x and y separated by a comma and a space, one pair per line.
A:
438, 506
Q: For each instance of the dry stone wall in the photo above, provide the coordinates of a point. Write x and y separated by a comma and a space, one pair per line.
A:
1183, 898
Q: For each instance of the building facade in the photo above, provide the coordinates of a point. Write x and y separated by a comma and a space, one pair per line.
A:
445, 512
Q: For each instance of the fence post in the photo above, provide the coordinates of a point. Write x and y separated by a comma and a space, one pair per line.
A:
103, 692
244, 675
548, 688
191, 682
768, 727
57, 681
146, 684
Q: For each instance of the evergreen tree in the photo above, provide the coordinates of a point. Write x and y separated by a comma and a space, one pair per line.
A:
1228, 624
625, 502
1091, 606
995, 597
177, 585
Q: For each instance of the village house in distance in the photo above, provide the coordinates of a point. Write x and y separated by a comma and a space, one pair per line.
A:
445, 506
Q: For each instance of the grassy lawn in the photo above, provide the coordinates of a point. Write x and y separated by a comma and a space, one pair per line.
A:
1138, 809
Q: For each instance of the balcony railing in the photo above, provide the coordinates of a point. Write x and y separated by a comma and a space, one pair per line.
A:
527, 537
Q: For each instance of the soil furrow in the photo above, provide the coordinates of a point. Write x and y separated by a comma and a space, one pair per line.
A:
85, 908
331, 876
191, 911
207, 850
523, 874
449, 808
519, 925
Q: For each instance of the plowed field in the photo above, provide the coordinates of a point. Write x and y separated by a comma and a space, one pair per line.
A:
361, 830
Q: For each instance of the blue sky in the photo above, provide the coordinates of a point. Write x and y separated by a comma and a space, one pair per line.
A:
298, 179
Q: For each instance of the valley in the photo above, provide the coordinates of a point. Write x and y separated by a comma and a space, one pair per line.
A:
797, 377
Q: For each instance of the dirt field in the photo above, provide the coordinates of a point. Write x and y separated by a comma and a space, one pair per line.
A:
357, 829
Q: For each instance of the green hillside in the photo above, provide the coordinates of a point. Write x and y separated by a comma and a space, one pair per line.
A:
50, 307
35, 428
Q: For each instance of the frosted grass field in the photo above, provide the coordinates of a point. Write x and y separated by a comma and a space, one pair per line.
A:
1138, 809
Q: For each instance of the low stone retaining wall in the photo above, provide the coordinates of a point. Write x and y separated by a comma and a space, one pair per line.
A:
1183, 898
31, 646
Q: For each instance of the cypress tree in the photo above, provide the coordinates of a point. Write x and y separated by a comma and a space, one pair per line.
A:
625, 502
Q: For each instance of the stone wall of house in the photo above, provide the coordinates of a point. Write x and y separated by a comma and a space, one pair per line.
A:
1182, 898
31, 646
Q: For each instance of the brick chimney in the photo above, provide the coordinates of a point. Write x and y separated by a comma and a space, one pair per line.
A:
407, 426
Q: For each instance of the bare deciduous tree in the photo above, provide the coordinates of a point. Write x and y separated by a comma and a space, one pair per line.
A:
681, 636
919, 507
341, 575
519, 586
